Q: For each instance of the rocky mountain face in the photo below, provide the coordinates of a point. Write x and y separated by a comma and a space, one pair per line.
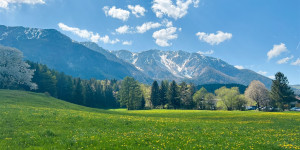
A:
191, 67
50, 47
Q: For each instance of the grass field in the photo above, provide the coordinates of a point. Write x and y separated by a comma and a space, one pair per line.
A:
35, 121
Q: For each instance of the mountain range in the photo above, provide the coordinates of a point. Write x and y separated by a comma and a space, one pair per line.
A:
191, 67
88, 60
57, 51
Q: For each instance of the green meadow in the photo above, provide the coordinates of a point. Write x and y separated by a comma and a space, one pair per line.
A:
36, 121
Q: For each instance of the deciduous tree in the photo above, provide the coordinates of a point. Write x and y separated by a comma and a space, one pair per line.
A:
258, 93
13, 70
198, 98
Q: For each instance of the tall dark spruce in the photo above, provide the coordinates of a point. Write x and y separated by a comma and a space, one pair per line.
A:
154, 97
281, 93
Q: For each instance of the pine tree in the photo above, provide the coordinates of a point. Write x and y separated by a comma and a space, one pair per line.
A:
99, 96
64, 86
281, 93
192, 90
90, 92
45, 80
154, 97
173, 95
78, 95
143, 102
130, 94
185, 96
69, 89
163, 90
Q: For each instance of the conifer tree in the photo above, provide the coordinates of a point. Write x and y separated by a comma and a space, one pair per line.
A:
281, 93
78, 95
173, 95
45, 80
154, 97
185, 95
131, 94
143, 102
163, 90
64, 86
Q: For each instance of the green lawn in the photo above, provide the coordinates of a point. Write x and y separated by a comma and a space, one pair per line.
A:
35, 121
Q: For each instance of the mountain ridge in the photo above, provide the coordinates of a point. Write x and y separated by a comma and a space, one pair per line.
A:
89, 60
191, 67
58, 51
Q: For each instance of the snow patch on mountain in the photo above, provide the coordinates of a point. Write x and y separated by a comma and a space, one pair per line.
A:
32, 33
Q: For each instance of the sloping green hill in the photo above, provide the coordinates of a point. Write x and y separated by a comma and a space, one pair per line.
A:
35, 121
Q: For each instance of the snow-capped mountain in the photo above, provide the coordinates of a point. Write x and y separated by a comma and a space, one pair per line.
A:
185, 66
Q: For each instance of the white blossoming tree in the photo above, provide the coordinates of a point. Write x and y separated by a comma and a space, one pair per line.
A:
14, 72
258, 93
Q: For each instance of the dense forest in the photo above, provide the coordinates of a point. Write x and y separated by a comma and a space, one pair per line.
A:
212, 87
91, 93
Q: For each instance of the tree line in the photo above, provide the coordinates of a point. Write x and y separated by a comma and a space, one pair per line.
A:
183, 96
91, 93
129, 93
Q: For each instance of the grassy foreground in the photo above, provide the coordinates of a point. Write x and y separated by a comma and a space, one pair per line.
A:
35, 121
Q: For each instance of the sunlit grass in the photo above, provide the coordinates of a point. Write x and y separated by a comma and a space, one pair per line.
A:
35, 121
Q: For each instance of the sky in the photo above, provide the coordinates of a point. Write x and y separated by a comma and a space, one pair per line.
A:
261, 35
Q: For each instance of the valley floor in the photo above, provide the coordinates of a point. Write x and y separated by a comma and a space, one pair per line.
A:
35, 121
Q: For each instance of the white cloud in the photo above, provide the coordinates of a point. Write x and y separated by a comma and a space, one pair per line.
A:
206, 53
214, 39
123, 29
137, 10
82, 33
5, 3
116, 13
296, 63
276, 51
127, 43
166, 7
147, 26
114, 41
271, 77
164, 35
144, 27
262, 72
167, 23
239, 67
94, 37
284, 60
196, 3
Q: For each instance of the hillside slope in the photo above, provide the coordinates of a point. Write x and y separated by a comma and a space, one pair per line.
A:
34, 121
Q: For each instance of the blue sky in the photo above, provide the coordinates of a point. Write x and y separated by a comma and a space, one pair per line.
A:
261, 35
